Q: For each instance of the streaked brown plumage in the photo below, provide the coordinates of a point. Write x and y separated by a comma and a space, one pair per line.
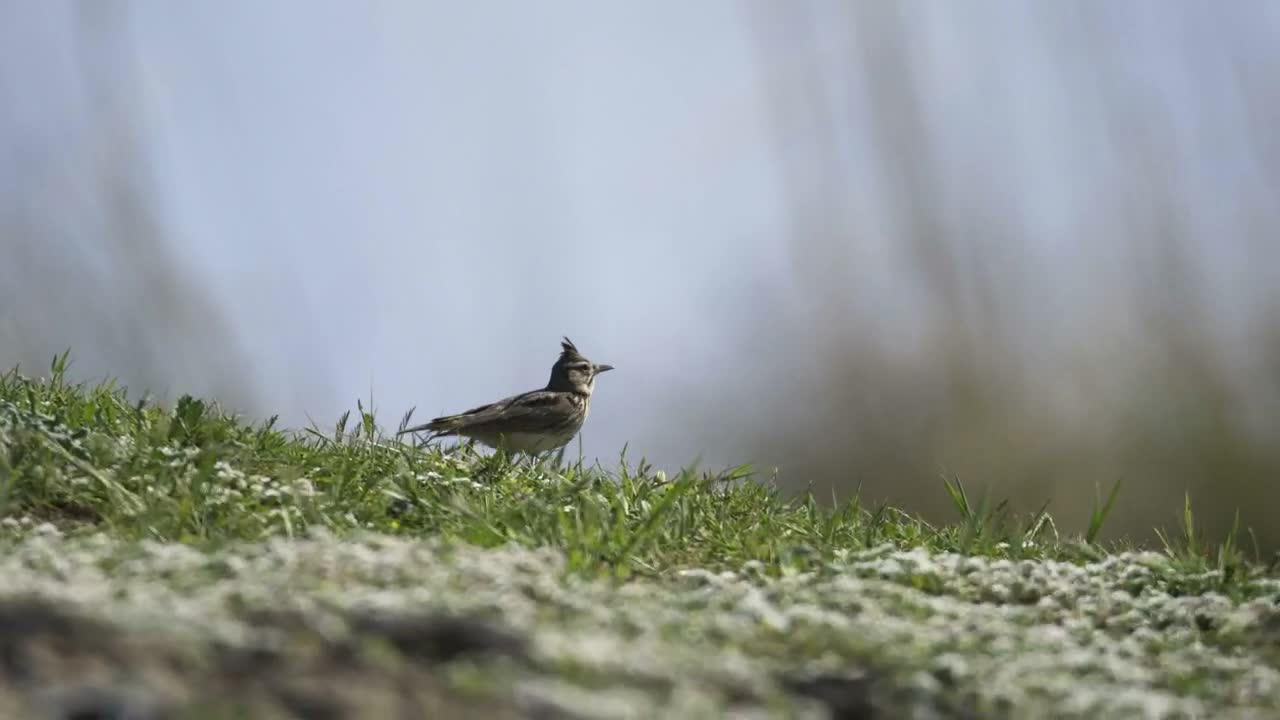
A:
532, 422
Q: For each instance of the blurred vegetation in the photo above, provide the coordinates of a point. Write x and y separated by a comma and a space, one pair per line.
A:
988, 371
89, 257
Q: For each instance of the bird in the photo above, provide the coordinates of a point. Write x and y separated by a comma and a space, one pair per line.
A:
534, 422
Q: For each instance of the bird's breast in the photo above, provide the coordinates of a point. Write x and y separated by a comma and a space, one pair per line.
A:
533, 443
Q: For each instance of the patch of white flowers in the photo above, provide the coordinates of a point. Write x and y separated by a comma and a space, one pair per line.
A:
1026, 638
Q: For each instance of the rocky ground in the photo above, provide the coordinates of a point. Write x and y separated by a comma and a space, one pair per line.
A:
386, 627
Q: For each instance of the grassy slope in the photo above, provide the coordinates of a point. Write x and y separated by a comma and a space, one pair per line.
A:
350, 571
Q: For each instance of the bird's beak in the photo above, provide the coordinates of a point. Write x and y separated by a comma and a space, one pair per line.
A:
603, 368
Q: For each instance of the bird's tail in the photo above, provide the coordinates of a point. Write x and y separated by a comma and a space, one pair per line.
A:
438, 427
414, 429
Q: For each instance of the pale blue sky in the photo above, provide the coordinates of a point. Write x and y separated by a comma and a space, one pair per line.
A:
420, 198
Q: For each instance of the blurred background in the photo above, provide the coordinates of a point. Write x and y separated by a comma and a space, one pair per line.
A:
1030, 245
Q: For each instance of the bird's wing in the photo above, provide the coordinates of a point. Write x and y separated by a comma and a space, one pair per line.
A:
533, 411
537, 411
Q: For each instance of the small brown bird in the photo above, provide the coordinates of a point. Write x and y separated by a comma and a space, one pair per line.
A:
532, 422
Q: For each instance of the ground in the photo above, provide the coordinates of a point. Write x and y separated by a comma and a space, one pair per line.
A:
181, 562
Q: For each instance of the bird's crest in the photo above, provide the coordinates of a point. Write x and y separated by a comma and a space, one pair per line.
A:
568, 349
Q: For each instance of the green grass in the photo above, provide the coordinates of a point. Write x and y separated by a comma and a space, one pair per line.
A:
114, 478
90, 457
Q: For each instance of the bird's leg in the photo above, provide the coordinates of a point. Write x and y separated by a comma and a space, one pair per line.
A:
530, 460
514, 458
537, 459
